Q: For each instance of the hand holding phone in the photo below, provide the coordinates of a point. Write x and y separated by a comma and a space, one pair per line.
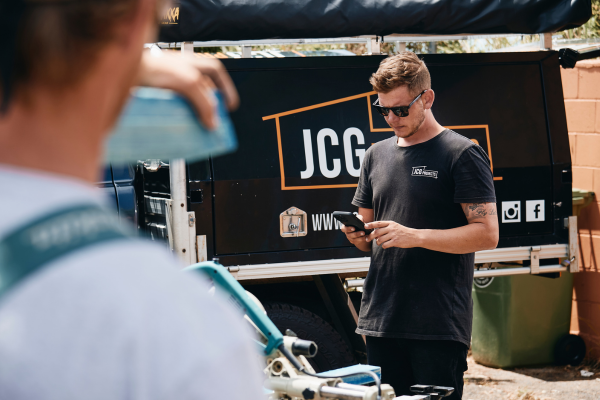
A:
350, 219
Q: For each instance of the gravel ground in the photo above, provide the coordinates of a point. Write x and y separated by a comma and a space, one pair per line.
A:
537, 383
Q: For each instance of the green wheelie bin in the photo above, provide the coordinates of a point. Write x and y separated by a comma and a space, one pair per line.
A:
518, 320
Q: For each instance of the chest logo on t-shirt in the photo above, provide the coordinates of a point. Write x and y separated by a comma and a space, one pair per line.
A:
423, 171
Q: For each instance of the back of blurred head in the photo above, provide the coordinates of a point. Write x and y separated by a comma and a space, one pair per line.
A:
68, 67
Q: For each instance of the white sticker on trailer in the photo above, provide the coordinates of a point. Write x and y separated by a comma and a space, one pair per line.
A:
511, 211
534, 210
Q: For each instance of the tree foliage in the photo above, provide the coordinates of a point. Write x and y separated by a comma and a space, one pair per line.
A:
590, 29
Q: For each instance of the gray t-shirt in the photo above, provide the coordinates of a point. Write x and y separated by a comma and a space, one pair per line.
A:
117, 320
418, 293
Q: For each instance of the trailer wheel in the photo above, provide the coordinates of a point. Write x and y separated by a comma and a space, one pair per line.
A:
333, 351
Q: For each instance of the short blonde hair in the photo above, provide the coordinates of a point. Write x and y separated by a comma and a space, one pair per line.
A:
403, 69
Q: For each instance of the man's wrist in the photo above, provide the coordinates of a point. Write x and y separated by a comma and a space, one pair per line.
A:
364, 246
420, 237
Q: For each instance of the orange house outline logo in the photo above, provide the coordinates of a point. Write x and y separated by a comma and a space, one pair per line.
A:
367, 96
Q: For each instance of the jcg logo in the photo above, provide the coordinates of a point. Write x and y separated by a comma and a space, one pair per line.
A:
323, 146
312, 155
337, 166
422, 171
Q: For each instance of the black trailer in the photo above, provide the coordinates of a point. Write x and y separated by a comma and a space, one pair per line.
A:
305, 124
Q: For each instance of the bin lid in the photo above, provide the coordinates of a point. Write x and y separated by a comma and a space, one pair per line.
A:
582, 197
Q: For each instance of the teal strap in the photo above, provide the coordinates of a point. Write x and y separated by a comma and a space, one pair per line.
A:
238, 296
27, 249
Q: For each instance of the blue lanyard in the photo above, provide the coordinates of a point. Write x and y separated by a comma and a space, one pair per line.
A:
28, 249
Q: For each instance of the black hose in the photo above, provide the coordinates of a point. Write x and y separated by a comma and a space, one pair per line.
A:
300, 368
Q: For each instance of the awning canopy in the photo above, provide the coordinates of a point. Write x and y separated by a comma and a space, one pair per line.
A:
203, 20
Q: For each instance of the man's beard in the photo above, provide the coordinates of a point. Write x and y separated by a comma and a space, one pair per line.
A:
416, 128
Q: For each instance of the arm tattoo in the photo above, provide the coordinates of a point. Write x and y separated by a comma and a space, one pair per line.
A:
478, 210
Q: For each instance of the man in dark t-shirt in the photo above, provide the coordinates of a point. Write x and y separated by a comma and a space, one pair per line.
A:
428, 193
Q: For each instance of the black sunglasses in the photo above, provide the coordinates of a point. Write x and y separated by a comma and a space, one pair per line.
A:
401, 111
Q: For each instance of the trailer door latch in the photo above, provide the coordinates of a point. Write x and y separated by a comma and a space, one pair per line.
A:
153, 165
292, 223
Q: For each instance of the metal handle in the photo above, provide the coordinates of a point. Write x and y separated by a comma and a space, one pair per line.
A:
340, 393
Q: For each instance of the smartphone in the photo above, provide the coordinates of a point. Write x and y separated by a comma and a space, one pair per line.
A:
350, 219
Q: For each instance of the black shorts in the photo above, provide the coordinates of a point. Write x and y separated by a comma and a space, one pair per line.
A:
407, 362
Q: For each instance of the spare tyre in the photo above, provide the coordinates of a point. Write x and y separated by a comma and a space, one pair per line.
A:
333, 351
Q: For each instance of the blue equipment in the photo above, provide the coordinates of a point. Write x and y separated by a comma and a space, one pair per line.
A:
299, 380
275, 339
160, 124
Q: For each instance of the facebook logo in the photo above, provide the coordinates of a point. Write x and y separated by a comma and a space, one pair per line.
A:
535, 211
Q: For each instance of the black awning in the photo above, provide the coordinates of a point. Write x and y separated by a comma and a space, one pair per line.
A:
203, 20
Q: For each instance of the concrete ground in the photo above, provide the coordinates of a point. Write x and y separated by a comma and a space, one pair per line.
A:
536, 383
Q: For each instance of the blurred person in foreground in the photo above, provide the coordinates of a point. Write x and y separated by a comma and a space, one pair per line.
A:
114, 320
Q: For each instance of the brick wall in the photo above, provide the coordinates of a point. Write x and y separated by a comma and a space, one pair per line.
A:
581, 87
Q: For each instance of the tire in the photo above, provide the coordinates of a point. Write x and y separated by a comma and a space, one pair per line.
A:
333, 351
570, 349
